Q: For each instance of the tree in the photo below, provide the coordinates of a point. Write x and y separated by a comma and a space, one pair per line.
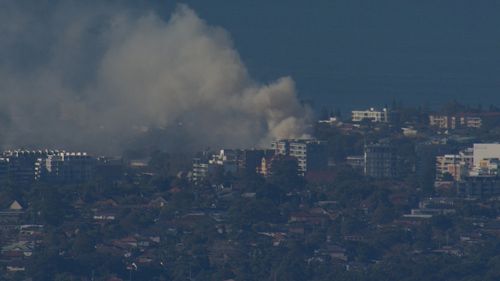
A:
50, 205
284, 173
245, 213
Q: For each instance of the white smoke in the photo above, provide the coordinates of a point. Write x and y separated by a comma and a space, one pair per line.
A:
135, 73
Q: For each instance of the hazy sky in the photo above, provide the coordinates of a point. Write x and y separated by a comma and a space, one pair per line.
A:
354, 53
82, 72
348, 53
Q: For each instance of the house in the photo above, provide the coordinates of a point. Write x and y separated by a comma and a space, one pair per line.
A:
355, 238
105, 215
105, 210
146, 258
277, 237
108, 203
79, 203
297, 229
222, 251
248, 195
18, 249
31, 232
111, 250
158, 203
449, 250
190, 220
175, 190
15, 267
126, 242
335, 252
308, 218
150, 236
16, 206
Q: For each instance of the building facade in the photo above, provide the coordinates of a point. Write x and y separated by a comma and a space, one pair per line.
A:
25, 166
66, 167
454, 121
484, 151
452, 165
4, 170
200, 170
356, 162
311, 154
381, 161
228, 161
479, 187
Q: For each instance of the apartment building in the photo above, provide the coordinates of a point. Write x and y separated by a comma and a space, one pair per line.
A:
376, 116
381, 161
454, 121
311, 154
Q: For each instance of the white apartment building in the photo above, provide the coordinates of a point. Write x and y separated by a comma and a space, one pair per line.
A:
311, 155
200, 170
471, 122
441, 121
371, 114
454, 121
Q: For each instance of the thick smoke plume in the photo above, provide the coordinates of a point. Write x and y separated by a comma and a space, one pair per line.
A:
98, 77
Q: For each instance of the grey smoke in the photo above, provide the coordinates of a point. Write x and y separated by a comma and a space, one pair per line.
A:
95, 77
